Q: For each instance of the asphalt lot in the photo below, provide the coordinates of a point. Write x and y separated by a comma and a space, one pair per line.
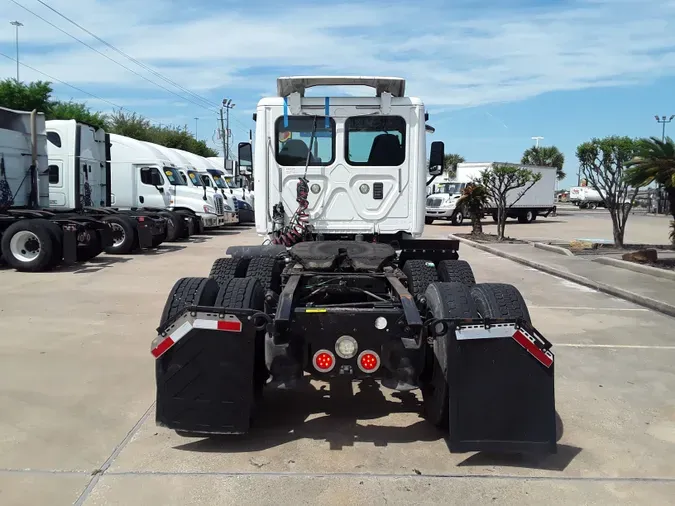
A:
572, 223
77, 391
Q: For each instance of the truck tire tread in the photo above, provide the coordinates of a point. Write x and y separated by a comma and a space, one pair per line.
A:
188, 292
444, 300
44, 260
456, 271
267, 270
224, 269
500, 300
131, 238
420, 274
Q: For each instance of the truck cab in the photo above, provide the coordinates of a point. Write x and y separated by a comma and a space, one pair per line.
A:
142, 176
362, 160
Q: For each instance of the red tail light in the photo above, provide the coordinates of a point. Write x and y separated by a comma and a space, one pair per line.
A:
369, 361
324, 361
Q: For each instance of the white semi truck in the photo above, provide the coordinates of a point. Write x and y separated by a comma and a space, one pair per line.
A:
142, 176
441, 203
345, 290
224, 207
243, 198
79, 181
34, 237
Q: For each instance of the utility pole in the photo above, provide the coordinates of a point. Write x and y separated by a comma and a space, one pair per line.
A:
227, 104
17, 24
537, 139
197, 128
223, 139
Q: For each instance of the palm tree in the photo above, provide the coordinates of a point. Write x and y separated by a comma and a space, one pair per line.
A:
450, 162
655, 162
545, 156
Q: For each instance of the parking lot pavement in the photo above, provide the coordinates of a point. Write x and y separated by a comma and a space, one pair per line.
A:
569, 225
86, 404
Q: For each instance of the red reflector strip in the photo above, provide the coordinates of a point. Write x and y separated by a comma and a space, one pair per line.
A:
545, 358
229, 325
141, 219
162, 347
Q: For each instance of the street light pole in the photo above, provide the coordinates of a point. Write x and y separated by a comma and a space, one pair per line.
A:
17, 24
663, 122
537, 139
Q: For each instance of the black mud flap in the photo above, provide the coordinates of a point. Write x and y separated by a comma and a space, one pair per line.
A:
501, 390
205, 372
144, 235
69, 244
106, 236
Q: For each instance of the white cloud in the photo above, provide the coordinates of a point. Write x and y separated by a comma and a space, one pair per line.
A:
457, 57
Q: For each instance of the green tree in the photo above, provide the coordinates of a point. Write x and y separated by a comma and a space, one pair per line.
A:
77, 111
499, 181
654, 161
545, 156
25, 97
603, 163
450, 162
474, 199
129, 125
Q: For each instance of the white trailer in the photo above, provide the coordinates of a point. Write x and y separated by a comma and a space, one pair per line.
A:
586, 197
539, 200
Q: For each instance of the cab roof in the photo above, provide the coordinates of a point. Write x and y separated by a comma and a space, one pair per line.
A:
393, 85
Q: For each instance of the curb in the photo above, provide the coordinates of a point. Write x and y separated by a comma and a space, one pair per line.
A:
648, 302
632, 266
554, 249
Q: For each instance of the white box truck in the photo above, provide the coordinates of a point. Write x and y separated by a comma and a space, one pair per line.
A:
537, 201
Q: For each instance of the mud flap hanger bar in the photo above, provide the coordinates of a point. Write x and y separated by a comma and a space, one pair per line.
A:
473, 329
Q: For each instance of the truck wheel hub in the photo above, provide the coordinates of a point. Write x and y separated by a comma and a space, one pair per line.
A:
118, 234
25, 246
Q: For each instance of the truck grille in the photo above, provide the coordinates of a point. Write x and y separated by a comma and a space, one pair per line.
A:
220, 207
434, 202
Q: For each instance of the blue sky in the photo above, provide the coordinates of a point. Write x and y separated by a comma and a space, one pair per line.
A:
492, 73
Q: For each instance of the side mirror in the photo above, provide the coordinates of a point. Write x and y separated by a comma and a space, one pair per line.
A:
436, 156
245, 154
156, 181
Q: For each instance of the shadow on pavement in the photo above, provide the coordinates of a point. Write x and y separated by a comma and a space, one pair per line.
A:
94, 265
335, 416
162, 249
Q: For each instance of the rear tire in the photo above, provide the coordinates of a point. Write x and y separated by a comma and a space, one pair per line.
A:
124, 235
27, 246
175, 226
57, 240
420, 274
224, 269
267, 270
458, 271
458, 217
188, 292
248, 293
526, 217
499, 300
428, 221
444, 300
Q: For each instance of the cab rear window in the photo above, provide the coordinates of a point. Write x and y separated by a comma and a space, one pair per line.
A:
377, 141
293, 141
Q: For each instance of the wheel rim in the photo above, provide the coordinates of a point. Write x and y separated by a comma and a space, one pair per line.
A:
529, 216
459, 217
25, 246
118, 233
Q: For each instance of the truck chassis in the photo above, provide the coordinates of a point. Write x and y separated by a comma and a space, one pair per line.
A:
408, 314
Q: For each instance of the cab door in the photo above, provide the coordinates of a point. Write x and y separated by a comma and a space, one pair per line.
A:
148, 195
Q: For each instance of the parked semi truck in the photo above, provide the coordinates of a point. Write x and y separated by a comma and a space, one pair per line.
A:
142, 176
539, 200
344, 288
224, 207
243, 199
34, 237
80, 181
